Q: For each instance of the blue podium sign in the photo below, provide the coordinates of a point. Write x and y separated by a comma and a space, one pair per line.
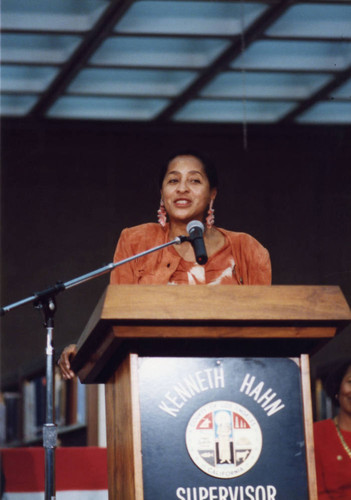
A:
222, 429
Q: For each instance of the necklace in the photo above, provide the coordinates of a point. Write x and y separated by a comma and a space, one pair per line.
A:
341, 437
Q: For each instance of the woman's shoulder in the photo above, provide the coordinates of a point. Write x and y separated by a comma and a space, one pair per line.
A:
235, 234
240, 238
143, 233
144, 228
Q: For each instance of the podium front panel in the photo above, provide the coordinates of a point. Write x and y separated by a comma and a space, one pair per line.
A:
222, 428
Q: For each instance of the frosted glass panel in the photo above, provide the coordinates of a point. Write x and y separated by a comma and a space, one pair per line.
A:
343, 92
43, 15
265, 85
212, 18
308, 20
233, 111
107, 108
328, 112
132, 51
308, 56
49, 49
18, 105
26, 78
131, 82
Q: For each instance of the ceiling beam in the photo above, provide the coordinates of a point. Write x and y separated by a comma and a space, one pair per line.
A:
254, 32
81, 55
321, 95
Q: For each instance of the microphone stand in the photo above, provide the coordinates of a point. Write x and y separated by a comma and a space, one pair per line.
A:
45, 302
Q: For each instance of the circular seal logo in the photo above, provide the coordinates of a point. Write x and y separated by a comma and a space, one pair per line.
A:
223, 439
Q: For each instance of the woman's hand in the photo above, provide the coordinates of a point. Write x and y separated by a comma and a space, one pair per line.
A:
65, 361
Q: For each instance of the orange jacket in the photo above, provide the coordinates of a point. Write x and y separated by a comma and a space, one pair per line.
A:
252, 261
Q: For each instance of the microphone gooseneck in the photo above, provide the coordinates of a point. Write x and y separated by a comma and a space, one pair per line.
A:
195, 229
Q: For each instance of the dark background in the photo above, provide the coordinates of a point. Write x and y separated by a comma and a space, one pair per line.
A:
69, 188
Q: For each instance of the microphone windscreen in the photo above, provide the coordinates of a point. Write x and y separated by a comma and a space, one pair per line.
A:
195, 224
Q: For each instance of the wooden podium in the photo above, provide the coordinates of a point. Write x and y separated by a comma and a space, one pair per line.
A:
219, 327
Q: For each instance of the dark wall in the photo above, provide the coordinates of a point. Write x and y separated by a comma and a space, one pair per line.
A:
68, 188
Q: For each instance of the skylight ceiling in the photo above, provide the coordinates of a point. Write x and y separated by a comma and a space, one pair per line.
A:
273, 61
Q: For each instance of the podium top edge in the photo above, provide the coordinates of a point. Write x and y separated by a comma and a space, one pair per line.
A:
224, 302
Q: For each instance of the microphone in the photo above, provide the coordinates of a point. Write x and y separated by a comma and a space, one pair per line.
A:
195, 230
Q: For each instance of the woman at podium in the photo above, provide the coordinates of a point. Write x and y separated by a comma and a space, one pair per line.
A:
333, 439
188, 187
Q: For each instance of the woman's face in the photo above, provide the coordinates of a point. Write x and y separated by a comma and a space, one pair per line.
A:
186, 191
345, 392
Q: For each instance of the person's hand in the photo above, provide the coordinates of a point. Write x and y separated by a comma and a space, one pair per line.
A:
65, 361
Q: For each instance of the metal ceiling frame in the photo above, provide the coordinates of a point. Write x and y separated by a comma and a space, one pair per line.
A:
321, 95
92, 40
222, 62
106, 24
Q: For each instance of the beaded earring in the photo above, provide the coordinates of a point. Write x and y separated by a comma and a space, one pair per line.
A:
162, 214
210, 217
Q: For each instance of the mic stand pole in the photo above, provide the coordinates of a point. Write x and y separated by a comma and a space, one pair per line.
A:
45, 302
47, 306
